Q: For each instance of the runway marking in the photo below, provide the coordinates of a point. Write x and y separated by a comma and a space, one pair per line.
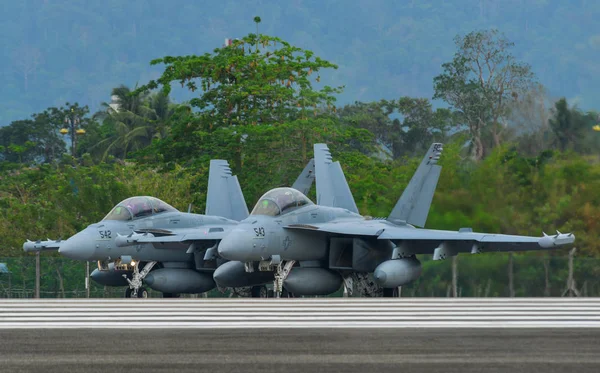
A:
301, 313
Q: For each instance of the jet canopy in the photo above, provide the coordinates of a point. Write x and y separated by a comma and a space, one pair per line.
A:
137, 207
280, 201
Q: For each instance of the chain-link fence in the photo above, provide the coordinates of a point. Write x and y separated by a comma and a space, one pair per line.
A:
485, 275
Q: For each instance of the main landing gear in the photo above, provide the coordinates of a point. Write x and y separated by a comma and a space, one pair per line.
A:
141, 293
263, 291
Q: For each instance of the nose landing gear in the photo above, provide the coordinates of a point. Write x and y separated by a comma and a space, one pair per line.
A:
135, 289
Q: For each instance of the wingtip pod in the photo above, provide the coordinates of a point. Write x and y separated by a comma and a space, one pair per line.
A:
39, 245
559, 239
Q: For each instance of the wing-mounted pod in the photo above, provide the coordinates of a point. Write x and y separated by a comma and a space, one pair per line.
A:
332, 187
224, 196
556, 240
414, 203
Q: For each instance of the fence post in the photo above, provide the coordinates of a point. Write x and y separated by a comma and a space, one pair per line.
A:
37, 275
87, 278
511, 282
455, 276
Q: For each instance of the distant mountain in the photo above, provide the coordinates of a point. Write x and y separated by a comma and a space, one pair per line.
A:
67, 50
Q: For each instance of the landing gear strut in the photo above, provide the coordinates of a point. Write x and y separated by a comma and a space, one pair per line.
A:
281, 273
135, 284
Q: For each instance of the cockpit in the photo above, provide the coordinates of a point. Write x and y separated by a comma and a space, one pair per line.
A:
137, 207
280, 201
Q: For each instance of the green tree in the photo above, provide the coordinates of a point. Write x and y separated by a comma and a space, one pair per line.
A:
131, 122
406, 126
269, 84
38, 140
480, 82
570, 126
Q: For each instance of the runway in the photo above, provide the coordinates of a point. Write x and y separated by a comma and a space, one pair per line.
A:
300, 335
302, 313
128, 349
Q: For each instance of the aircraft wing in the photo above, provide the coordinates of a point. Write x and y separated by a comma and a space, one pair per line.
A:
426, 241
35, 246
467, 241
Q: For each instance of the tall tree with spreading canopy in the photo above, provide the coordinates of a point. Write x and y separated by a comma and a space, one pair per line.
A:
481, 81
256, 80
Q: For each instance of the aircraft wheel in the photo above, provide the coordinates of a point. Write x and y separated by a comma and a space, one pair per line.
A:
259, 292
142, 293
128, 292
390, 292
270, 293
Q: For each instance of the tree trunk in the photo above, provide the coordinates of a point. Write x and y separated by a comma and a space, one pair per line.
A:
477, 144
455, 276
511, 284
238, 156
496, 135
547, 276
61, 285
488, 287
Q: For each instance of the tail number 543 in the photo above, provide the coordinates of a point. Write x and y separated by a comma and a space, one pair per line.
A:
260, 232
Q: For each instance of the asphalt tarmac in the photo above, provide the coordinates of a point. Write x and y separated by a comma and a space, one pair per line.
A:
300, 350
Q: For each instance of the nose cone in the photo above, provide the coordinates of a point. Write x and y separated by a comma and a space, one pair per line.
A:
79, 247
237, 245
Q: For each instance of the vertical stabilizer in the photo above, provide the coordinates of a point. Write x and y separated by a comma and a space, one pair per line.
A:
306, 178
224, 197
414, 203
332, 187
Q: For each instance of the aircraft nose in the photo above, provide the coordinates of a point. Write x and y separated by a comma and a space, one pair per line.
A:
78, 247
237, 245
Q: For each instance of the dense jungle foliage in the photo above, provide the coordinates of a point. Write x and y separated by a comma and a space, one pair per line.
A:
514, 160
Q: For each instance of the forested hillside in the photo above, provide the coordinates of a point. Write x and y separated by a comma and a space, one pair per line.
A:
62, 50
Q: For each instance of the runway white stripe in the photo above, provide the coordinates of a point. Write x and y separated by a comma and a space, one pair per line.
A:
302, 313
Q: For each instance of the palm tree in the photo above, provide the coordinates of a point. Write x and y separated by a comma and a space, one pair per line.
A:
133, 121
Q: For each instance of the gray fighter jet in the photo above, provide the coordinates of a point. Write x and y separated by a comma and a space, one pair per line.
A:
145, 240
314, 249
